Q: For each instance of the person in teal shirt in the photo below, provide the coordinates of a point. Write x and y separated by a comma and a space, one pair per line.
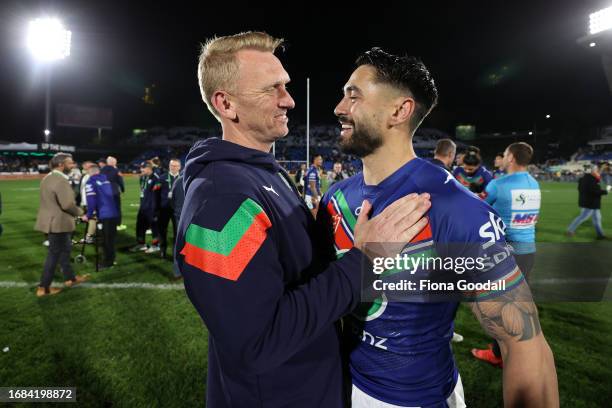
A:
516, 197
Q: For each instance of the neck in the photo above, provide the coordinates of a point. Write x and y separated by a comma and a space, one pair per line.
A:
442, 159
173, 174
516, 169
385, 161
232, 134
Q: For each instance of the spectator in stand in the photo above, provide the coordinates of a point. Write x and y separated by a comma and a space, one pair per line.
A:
166, 214
337, 174
56, 216
589, 201
444, 154
113, 175
102, 205
150, 187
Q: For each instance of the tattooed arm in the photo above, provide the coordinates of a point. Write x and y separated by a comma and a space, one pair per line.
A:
529, 377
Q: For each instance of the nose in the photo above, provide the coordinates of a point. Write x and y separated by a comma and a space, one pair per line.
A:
341, 108
286, 101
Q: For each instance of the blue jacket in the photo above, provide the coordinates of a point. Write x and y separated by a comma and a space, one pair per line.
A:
177, 197
100, 201
254, 271
150, 193
113, 175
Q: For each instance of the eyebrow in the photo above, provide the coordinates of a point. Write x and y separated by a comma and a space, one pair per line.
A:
283, 81
352, 88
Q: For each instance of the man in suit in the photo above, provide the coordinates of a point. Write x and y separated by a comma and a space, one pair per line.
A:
56, 218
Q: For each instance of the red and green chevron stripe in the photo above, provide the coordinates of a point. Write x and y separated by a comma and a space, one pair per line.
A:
226, 253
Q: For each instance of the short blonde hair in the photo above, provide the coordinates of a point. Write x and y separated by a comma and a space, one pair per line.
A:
218, 67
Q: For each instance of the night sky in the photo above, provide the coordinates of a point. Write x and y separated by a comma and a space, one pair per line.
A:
501, 65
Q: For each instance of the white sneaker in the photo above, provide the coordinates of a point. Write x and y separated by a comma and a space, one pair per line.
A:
149, 232
457, 338
121, 227
138, 248
153, 249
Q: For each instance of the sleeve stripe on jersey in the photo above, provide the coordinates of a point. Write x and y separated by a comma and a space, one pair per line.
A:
511, 280
344, 207
226, 253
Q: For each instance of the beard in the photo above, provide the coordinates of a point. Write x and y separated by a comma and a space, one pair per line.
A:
364, 140
66, 170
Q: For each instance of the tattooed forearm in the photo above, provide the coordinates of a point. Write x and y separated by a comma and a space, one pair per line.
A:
512, 315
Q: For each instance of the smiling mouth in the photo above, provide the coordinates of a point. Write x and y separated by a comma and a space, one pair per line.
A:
346, 128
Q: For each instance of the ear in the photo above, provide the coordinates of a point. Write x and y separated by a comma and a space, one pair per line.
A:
223, 105
404, 109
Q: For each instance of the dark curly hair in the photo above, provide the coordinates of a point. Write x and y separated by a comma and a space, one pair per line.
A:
408, 74
472, 156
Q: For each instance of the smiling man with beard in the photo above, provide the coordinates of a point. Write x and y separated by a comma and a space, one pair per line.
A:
400, 352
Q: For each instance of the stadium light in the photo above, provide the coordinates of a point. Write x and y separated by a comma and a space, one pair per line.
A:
547, 116
48, 40
530, 133
600, 21
592, 44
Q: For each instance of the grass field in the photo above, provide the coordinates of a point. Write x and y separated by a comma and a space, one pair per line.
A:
142, 347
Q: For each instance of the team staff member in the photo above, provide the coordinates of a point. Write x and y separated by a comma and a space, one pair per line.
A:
91, 224
150, 187
101, 204
165, 213
250, 266
312, 184
116, 179
399, 351
516, 197
177, 199
56, 218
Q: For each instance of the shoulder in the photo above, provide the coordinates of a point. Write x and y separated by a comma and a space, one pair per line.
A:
224, 178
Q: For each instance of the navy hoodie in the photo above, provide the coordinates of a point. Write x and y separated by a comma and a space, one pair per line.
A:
250, 257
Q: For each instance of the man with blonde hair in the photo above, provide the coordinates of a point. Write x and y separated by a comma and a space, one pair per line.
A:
261, 283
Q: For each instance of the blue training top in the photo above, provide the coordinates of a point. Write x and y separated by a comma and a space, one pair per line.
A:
516, 197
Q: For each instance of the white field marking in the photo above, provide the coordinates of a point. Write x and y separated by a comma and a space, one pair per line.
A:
91, 285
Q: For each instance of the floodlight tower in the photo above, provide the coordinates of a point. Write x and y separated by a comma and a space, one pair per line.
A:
48, 41
599, 39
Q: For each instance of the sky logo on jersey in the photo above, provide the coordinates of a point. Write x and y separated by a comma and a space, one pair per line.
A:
226, 253
492, 230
